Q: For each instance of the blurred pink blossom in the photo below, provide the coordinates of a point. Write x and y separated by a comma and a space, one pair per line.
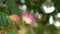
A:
28, 17
14, 17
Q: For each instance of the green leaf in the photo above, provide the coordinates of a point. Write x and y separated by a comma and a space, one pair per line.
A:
3, 20
12, 6
5, 10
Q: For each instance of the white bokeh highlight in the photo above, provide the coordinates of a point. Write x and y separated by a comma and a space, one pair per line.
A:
23, 7
35, 25
23, 1
51, 20
58, 15
38, 15
32, 11
49, 9
57, 24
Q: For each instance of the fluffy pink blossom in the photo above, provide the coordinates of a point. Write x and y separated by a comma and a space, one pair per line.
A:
28, 17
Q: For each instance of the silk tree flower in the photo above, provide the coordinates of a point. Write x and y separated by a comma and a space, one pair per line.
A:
14, 18
28, 17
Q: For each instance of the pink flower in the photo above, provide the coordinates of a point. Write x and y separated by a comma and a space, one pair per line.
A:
28, 17
14, 17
